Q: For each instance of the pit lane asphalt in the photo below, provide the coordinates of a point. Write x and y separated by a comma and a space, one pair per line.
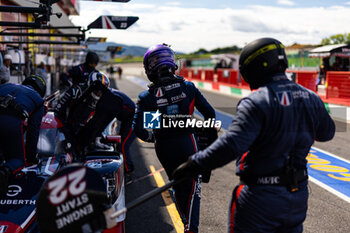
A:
326, 213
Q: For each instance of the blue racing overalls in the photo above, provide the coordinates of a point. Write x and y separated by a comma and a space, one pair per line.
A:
174, 145
27, 104
271, 134
77, 75
113, 104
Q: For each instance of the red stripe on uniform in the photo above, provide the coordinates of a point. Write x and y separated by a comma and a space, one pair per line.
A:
127, 108
29, 223
90, 117
242, 161
189, 202
194, 144
238, 191
191, 108
123, 149
17, 170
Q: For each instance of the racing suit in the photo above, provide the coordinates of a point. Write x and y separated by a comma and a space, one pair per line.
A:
77, 75
17, 103
74, 110
270, 137
112, 104
174, 145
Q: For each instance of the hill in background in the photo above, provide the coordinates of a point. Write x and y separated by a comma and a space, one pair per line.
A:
127, 50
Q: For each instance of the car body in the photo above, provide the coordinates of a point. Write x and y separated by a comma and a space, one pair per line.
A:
18, 207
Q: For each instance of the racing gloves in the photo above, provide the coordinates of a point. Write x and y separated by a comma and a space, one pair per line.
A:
189, 169
206, 136
5, 174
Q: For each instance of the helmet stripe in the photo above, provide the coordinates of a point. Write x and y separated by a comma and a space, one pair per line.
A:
261, 51
38, 77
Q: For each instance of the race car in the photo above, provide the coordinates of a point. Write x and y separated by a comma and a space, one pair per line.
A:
18, 208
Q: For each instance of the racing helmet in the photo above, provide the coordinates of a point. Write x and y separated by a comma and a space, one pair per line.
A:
91, 58
159, 60
260, 60
98, 77
37, 82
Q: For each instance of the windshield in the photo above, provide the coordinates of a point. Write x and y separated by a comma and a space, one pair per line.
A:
51, 142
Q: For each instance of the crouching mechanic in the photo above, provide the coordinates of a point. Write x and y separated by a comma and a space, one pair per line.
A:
18, 103
112, 104
172, 96
87, 114
276, 126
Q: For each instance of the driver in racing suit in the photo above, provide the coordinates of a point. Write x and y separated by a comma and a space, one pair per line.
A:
18, 103
173, 96
270, 137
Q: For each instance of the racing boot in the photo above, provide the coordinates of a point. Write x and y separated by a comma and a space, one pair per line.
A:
5, 174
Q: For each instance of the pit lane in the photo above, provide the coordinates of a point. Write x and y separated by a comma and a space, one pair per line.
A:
327, 212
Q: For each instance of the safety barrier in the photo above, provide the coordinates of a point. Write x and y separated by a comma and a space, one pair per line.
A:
338, 89
338, 85
228, 76
196, 74
183, 72
209, 75
306, 78
244, 83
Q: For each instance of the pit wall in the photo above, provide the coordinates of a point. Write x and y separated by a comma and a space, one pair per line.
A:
335, 94
229, 82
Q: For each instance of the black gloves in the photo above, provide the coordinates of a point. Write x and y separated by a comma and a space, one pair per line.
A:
188, 169
5, 174
206, 136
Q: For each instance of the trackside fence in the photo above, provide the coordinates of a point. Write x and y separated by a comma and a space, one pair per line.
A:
338, 85
337, 88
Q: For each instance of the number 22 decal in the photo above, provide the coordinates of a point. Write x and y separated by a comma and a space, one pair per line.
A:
58, 188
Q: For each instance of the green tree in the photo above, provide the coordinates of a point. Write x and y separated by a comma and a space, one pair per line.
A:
231, 49
336, 39
201, 51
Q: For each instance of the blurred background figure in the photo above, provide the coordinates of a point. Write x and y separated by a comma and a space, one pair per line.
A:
40, 70
337, 65
120, 72
5, 69
111, 71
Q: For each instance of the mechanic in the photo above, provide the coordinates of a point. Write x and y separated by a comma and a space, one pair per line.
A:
77, 106
78, 75
270, 137
171, 95
17, 104
112, 104
99, 105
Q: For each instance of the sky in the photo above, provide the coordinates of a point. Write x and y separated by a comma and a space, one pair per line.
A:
189, 25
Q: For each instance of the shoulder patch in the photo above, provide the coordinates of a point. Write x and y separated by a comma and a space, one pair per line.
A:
285, 98
159, 92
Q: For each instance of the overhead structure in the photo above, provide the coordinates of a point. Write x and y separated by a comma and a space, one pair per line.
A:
43, 27
108, 0
41, 14
94, 40
113, 22
340, 50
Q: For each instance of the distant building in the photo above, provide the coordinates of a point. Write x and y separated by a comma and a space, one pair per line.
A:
296, 50
30, 55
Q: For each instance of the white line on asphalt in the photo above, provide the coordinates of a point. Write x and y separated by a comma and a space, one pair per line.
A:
329, 189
